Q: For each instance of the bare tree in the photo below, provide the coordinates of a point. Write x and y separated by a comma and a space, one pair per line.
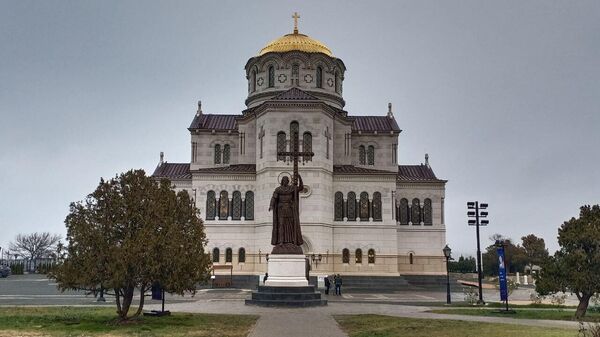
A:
35, 245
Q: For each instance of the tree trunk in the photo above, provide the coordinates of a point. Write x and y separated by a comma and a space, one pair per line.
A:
141, 306
127, 293
584, 301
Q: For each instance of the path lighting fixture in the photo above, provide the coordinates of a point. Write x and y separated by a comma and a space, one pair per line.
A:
448, 255
475, 211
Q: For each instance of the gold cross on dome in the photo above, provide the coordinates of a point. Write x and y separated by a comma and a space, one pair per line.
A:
295, 17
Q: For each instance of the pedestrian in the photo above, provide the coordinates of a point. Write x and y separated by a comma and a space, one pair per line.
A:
327, 284
338, 285
265, 278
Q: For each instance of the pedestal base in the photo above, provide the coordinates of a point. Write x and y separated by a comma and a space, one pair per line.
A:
286, 271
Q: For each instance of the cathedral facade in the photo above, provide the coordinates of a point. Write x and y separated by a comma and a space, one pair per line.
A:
361, 211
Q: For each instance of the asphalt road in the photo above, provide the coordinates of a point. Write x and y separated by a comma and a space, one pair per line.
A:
34, 289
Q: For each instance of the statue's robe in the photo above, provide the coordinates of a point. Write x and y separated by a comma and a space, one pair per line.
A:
286, 218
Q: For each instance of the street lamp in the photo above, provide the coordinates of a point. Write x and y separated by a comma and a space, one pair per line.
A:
448, 255
474, 211
316, 259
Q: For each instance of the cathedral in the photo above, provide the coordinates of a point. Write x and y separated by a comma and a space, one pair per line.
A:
362, 212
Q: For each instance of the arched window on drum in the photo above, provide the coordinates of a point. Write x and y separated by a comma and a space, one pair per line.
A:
319, 77
271, 77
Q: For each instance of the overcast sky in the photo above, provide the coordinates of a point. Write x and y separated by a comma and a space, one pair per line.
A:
504, 96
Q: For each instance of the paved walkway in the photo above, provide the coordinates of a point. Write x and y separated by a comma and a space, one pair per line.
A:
292, 323
319, 321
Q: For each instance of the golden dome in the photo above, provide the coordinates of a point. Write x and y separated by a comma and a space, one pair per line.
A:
295, 41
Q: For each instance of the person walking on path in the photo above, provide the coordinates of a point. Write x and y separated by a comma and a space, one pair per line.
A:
338, 285
265, 278
327, 284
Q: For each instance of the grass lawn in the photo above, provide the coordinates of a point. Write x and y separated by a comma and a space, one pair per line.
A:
73, 321
555, 314
384, 326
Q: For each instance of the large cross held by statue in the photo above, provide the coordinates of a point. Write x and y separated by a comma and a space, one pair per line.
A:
294, 154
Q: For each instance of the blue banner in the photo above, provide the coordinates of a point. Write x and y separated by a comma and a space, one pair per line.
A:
502, 275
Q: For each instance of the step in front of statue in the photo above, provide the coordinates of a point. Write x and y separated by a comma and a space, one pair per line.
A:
286, 297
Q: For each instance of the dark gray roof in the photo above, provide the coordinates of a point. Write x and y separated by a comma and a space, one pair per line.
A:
173, 171
375, 123
351, 169
213, 122
240, 168
416, 173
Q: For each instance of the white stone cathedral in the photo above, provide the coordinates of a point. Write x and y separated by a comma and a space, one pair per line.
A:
361, 212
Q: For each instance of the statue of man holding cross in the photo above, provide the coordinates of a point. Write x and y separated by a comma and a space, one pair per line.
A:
287, 234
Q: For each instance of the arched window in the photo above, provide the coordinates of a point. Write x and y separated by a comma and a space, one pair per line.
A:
223, 205
253, 79
226, 153
371, 155
338, 207
411, 258
215, 255
281, 145
211, 205
307, 145
427, 215
241, 255
358, 256
364, 206
294, 131
345, 255
236, 212
351, 207
271, 77
228, 255
336, 82
404, 216
377, 206
371, 256
249, 205
217, 154
415, 216
319, 77
361, 155
295, 73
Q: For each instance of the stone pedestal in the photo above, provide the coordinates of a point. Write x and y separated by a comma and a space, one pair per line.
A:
286, 271
286, 285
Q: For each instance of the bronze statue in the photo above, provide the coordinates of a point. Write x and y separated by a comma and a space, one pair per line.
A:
287, 235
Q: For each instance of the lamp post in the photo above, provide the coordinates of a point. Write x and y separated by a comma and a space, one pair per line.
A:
448, 255
477, 214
